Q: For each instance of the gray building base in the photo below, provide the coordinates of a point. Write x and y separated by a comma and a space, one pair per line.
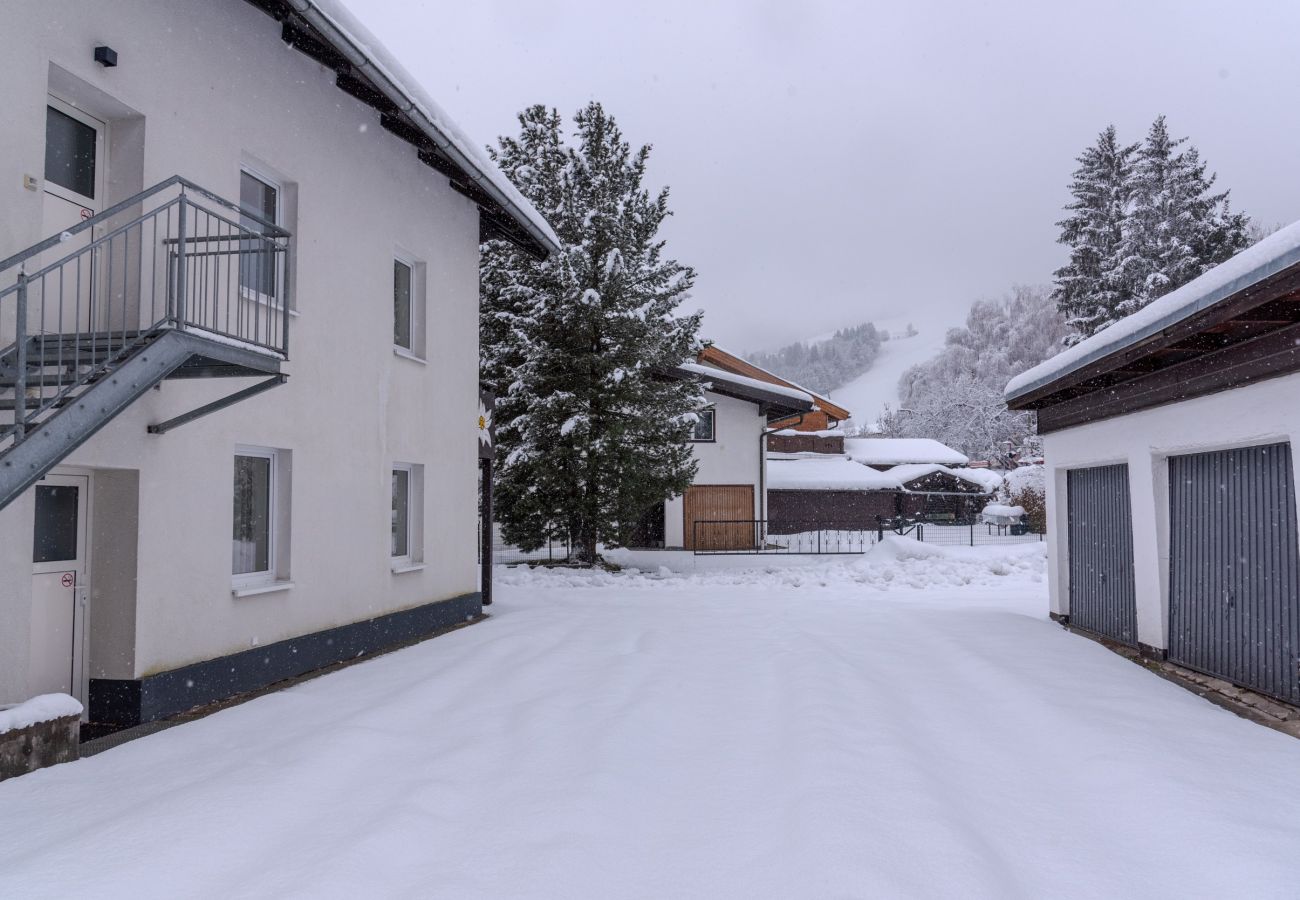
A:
128, 702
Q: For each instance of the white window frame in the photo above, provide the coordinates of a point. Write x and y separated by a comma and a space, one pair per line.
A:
404, 559
95, 203
418, 269
255, 296
413, 560
271, 578
401, 259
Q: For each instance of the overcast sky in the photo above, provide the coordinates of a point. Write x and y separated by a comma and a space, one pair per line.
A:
831, 163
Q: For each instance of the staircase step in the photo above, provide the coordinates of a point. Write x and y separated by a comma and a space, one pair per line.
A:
48, 378
9, 404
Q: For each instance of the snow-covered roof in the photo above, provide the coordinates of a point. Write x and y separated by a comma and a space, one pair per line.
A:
371, 59
1274, 253
718, 375
828, 473
989, 479
914, 471
815, 397
897, 451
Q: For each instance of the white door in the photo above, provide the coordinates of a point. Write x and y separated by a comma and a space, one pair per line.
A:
74, 191
59, 585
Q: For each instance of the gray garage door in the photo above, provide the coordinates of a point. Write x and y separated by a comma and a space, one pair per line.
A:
1102, 598
1234, 580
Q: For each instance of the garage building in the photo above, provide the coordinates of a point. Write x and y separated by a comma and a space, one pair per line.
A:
1171, 473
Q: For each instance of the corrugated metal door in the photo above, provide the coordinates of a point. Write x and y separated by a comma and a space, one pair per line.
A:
1234, 578
1102, 597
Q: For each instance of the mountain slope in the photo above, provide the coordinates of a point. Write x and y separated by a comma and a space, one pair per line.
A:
866, 395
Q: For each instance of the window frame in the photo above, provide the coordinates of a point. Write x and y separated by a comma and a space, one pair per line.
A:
276, 184
96, 202
406, 559
713, 426
412, 348
269, 574
419, 274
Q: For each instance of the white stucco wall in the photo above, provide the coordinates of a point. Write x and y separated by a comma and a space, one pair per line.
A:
1262, 413
733, 457
216, 87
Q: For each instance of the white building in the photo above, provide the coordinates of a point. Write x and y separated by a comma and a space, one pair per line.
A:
334, 512
1168, 440
729, 444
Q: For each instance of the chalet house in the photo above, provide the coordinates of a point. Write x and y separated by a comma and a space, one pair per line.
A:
1171, 472
938, 493
824, 415
822, 479
722, 509
239, 254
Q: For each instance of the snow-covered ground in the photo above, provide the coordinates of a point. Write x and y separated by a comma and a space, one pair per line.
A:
908, 724
866, 395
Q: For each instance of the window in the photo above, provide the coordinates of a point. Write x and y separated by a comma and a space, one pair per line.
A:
259, 539
254, 513
70, 150
402, 305
57, 507
704, 425
258, 271
407, 522
401, 543
408, 306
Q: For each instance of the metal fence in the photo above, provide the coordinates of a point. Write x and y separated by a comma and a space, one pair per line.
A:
758, 537
505, 554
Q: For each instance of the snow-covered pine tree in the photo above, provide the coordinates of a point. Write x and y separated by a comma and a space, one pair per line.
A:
589, 435
1091, 289
1177, 229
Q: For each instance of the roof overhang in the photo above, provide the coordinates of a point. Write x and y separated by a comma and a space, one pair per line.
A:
328, 33
716, 356
773, 404
1248, 335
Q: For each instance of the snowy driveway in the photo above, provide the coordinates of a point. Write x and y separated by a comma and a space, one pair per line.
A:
800, 735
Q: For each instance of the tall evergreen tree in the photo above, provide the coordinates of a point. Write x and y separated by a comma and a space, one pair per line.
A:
1092, 288
589, 436
1177, 228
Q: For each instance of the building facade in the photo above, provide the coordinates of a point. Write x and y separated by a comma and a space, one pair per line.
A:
1168, 441
724, 506
149, 572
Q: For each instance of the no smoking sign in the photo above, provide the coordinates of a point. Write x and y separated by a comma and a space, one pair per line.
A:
69, 579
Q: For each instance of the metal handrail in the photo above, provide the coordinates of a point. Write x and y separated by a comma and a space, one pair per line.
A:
165, 268
272, 230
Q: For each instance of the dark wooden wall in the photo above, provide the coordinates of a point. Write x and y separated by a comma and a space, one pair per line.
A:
805, 443
789, 511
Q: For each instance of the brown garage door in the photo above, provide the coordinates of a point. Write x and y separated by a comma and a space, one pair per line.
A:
725, 514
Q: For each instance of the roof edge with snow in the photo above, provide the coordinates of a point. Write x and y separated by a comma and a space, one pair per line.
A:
366, 70
777, 399
1274, 254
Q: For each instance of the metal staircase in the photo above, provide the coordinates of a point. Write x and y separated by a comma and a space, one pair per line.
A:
174, 282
